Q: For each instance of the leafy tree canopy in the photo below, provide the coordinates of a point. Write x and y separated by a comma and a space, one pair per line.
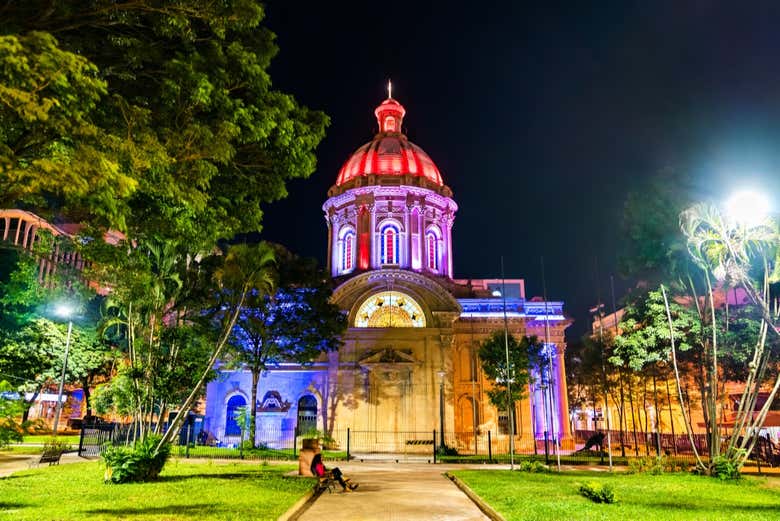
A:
148, 115
524, 354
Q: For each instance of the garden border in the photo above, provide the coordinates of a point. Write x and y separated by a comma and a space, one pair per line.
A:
484, 507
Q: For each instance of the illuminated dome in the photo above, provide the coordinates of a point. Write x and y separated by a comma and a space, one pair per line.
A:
390, 152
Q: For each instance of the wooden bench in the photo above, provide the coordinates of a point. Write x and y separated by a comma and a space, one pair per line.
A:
50, 457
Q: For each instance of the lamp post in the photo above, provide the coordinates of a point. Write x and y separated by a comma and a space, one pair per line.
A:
65, 311
441, 374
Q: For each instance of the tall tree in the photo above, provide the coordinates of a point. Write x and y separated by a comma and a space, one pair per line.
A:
296, 323
524, 354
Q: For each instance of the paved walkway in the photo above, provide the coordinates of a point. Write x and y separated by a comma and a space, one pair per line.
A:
389, 491
10, 463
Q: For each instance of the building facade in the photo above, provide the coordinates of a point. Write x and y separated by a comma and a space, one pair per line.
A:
408, 364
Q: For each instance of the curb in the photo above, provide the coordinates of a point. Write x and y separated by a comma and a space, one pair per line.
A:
484, 507
300, 506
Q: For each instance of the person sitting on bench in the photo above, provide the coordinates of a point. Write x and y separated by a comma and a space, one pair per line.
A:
318, 469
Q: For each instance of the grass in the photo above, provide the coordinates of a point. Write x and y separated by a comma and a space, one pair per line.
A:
71, 439
529, 496
185, 491
22, 449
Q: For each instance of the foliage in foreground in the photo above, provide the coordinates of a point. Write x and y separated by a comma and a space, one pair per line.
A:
141, 462
184, 492
10, 431
598, 492
672, 497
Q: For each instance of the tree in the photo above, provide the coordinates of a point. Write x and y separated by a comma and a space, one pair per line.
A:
746, 255
33, 357
185, 135
244, 270
524, 354
10, 409
296, 323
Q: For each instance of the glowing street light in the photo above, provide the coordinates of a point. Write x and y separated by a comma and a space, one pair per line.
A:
65, 311
747, 208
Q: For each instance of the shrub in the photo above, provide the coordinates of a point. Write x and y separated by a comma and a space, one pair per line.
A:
54, 446
137, 463
446, 450
598, 493
724, 469
650, 465
533, 466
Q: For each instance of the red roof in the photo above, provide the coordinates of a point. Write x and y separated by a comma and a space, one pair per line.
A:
390, 152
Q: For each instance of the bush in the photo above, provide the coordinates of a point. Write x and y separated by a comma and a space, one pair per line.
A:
445, 450
533, 466
598, 493
724, 469
137, 463
650, 465
54, 446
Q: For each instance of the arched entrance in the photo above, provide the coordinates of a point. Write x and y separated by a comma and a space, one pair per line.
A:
232, 427
307, 414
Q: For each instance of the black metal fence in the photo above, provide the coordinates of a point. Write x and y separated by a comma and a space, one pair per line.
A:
463, 447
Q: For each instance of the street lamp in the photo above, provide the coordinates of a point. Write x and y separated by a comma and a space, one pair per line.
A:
64, 311
441, 374
747, 208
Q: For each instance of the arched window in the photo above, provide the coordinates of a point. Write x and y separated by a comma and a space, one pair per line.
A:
432, 250
307, 414
232, 427
389, 237
348, 251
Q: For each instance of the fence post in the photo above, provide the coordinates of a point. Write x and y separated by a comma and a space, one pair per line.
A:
434, 446
189, 433
348, 444
490, 449
81, 440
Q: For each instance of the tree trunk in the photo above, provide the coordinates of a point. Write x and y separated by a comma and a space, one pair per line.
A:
623, 418
87, 396
633, 415
253, 405
173, 428
671, 415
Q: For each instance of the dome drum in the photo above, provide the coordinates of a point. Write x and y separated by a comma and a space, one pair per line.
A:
389, 207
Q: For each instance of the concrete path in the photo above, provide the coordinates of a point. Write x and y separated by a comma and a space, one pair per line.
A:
10, 463
390, 491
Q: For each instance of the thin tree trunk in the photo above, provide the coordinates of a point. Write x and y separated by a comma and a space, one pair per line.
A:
713, 380
686, 418
633, 415
623, 418
173, 428
671, 415
253, 405
656, 416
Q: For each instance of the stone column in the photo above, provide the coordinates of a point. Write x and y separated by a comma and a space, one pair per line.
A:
563, 399
331, 268
372, 244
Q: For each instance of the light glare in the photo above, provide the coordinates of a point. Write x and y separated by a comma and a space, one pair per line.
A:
64, 310
747, 208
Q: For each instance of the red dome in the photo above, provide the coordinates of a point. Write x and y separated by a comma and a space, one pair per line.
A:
390, 152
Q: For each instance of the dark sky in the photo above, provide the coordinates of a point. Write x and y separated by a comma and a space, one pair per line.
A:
541, 117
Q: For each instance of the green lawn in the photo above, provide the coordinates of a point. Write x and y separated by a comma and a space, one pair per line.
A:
184, 491
528, 496
72, 439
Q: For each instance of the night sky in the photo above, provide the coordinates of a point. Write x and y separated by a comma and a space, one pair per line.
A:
541, 117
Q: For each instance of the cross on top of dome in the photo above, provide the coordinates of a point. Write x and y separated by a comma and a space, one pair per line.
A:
390, 114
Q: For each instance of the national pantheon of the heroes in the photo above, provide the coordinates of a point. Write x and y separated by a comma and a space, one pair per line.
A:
408, 364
